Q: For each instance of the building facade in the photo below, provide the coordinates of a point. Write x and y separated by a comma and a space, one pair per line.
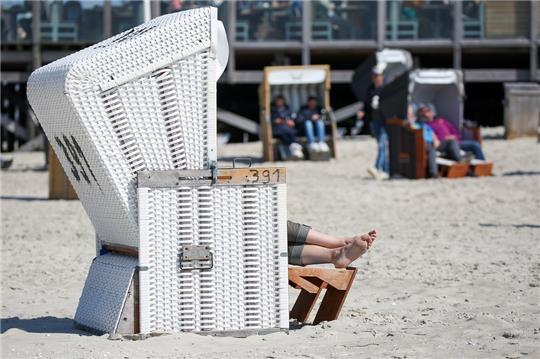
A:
491, 41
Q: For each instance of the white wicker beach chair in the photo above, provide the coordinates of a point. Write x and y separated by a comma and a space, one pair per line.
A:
183, 246
142, 100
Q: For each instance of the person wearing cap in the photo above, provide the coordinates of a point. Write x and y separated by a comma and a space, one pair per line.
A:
430, 139
450, 139
372, 114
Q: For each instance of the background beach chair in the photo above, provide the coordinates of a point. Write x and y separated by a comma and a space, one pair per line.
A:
396, 62
296, 84
445, 90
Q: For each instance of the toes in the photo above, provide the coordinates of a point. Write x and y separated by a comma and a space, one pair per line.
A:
364, 246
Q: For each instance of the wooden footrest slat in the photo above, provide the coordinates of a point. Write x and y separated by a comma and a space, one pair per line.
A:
312, 281
482, 169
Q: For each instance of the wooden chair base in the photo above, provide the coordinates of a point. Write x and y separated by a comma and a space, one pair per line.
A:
482, 169
311, 281
455, 170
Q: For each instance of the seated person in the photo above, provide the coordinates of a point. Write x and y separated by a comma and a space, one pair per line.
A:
283, 125
430, 139
449, 136
307, 246
309, 117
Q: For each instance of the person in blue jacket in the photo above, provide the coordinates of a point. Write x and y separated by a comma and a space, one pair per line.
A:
310, 120
430, 139
283, 126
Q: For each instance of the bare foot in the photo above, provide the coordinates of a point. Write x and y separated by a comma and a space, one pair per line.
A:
355, 247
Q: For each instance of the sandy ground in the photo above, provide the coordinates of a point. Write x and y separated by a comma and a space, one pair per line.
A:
455, 273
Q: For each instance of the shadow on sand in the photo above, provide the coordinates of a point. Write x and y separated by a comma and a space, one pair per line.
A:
522, 173
41, 325
526, 225
23, 198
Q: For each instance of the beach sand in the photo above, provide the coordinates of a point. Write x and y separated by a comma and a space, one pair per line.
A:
455, 271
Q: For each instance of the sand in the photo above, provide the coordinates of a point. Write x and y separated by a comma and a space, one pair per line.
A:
455, 272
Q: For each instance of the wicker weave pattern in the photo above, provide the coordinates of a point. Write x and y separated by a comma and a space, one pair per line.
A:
144, 99
247, 286
105, 291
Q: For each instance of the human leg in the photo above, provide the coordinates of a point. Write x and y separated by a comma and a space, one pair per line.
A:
450, 148
432, 161
308, 129
285, 134
321, 133
308, 246
340, 257
474, 147
383, 148
376, 129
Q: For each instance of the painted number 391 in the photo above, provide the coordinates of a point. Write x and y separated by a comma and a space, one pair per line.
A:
80, 168
264, 176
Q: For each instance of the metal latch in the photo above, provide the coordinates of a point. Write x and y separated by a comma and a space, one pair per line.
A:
196, 257
214, 171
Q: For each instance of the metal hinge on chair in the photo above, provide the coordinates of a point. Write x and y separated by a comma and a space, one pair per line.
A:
196, 257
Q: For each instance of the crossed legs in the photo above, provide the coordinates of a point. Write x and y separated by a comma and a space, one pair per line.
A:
308, 246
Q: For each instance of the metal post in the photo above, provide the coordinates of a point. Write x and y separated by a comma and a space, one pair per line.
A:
107, 19
458, 33
36, 34
147, 10
231, 31
306, 31
155, 9
533, 69
381, 23
37, 60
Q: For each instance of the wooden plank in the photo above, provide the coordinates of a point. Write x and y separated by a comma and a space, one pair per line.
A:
59, 185
302, 283
304, 305
482, 169
252, 175
455, 170
338, 278
407, 149
420, 153
120, 249
225, 176
333, 300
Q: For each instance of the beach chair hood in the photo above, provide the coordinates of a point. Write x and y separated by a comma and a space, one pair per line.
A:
441, 87
142, 100
296, 84
395, 61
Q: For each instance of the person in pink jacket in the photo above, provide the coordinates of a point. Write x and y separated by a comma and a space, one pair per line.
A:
450, 141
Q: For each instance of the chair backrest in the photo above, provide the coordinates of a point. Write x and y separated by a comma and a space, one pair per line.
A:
396, 63
142, 100
441, 87
296, 84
